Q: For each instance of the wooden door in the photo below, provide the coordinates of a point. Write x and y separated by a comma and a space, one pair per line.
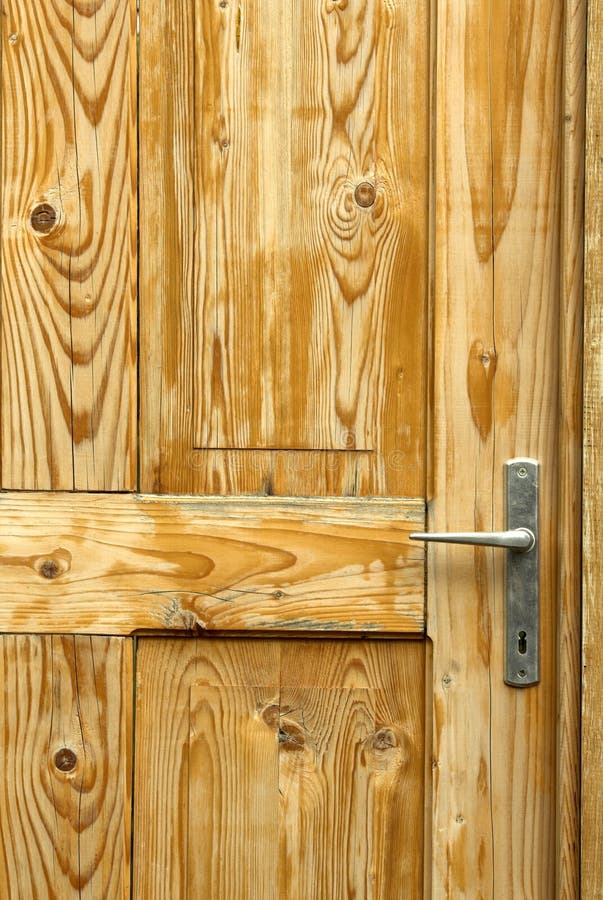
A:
281, 284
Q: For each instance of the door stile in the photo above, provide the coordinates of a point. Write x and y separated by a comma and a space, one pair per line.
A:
503, 282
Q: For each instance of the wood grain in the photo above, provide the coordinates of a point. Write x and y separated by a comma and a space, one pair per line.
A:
592, 616
116, 564
233, 780
285, 768
65, 725
570, 451
385, 683
68, 248
278, 314
299, 283
496, 395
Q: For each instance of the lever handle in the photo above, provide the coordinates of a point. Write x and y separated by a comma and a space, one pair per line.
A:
522, 593
521, 539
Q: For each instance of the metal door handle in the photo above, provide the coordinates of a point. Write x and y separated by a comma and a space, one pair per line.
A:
522, 589
521, 539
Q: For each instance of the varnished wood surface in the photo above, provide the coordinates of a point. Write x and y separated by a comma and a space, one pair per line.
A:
277, 311
280, 769
309, 220
117, 564
499, 121
570, 452
66, 745
592, 657
68, 245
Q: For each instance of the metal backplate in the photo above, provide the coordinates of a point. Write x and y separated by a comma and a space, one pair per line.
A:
522, 587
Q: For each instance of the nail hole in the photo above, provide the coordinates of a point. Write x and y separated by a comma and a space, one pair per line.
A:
522, 673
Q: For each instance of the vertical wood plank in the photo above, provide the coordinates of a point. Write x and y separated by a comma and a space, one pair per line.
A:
65, 720
68, 247
570, 450
383, 681
496, 395
310, 269
299, 772
233, 791
277, 313
163, 801
326, 736
592, 621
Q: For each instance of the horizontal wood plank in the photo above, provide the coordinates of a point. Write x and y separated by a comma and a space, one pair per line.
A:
120, 564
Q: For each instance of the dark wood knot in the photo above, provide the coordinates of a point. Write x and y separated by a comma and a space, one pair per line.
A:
384, 739
65, 760
365, 194
43, 218
49, 569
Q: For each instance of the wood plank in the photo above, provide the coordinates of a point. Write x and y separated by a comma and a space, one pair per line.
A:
377, 682
570, 452
233, 783
496, 396
166, 670
117, 564
65, 721
303, 739
303, 216
592, 616
326, 746
277, 312
68, 246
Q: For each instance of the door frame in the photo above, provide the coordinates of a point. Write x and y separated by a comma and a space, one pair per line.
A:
592, 612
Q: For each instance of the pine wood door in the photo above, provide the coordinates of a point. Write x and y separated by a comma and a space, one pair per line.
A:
283, 282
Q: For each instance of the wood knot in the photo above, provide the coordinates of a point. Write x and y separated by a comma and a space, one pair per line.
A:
65, 760
49, 569
365, 194
271, 715
481, 369
384, 739
291, 737
43, 218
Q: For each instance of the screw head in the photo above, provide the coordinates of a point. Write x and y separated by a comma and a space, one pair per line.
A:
522, 673
522, 472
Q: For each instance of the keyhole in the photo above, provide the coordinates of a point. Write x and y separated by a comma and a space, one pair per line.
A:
522, 645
